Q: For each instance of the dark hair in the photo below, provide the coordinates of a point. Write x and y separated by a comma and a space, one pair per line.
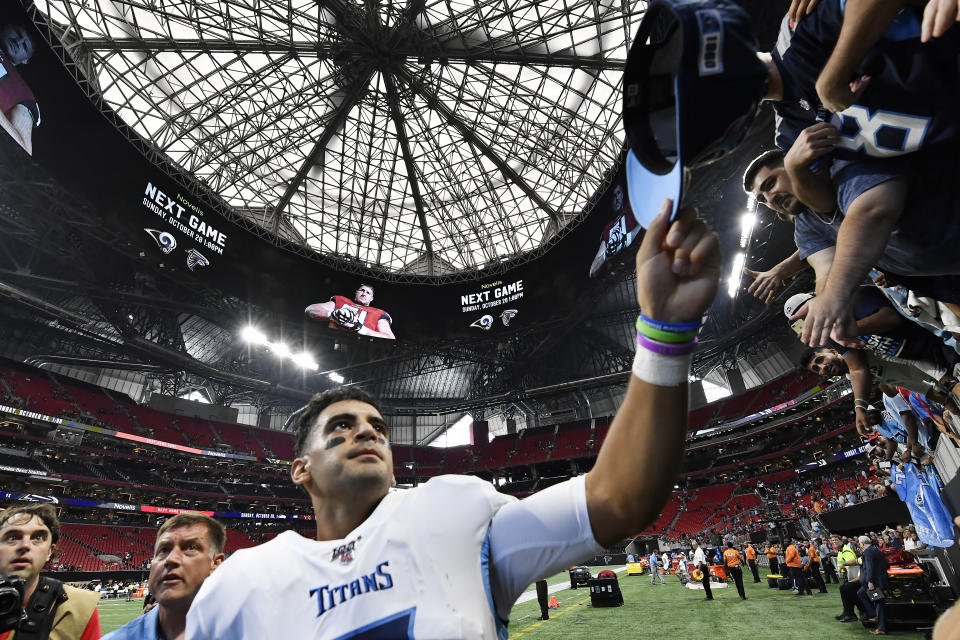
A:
46, 513
216, 533
766, 160
364, 284
321, 401
729, 545
809, 355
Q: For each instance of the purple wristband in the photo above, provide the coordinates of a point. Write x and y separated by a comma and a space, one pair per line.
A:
666, 349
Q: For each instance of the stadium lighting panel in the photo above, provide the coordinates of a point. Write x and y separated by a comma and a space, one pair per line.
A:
305, 361
280, 349
747, 221
253, 335
736, 273
335, 377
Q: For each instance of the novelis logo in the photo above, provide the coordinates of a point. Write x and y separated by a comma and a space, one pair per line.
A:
164, 239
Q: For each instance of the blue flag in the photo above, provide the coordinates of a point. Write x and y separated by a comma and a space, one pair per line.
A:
933, 522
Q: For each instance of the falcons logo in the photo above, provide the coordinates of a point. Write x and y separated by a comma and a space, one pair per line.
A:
196, 259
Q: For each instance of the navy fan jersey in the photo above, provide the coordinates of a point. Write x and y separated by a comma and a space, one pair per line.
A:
910, 103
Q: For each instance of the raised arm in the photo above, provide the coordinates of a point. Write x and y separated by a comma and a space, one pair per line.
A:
383, 330
862, 382
320, 310
864, 21
813, 189
19, 124
860, 242
677, 278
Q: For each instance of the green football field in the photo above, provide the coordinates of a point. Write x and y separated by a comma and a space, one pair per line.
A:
669, 611
116, 613
673, 611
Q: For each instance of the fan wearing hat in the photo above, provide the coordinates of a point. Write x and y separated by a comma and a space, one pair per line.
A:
907, 106
885, 337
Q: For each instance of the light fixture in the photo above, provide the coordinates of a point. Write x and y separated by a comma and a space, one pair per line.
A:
253, 335
736, 273
335, 377
280, 349
747, 220
305, 361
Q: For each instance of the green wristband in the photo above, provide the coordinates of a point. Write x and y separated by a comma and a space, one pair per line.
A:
665, 336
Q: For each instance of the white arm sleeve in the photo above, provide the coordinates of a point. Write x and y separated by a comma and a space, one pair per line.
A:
536, 537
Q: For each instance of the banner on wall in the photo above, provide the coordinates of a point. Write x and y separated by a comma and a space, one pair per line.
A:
79, 426
146, 508
833, 458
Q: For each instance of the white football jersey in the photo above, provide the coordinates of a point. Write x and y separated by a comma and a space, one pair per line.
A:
444, 560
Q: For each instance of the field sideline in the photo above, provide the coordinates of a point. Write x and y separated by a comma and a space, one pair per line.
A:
654, 612
672, 611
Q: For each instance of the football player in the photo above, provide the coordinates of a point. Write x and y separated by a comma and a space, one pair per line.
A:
354, 316
449, 558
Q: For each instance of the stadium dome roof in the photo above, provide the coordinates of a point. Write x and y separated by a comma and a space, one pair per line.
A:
427, 137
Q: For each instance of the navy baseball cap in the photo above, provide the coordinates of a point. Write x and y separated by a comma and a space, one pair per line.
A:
691, 88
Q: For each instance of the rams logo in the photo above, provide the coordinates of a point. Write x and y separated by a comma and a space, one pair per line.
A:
483, 323
164, 239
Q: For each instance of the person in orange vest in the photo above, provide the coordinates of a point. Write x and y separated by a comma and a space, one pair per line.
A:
795, 566
772, 551
813, 565
751, 554
732, 558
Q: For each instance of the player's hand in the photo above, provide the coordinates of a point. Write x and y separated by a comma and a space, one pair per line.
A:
837, 94
813, 142
765, 283
825, 319
938, 15
346, 318
678, 267
800, 8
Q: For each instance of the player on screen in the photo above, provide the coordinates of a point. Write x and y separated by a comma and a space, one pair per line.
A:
19, 112
354, 316
449, 558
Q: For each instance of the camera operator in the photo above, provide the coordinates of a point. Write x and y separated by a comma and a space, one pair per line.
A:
189, 547
51, 609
